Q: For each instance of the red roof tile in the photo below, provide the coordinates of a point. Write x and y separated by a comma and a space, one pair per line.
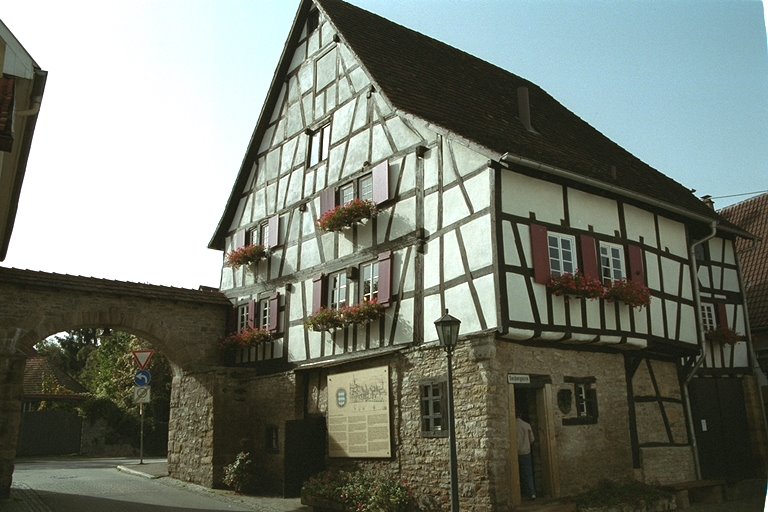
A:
752, 216
42, 380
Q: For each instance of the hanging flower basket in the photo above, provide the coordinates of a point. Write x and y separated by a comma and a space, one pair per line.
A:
362, 313
246, 255
576, 285
324, 320
631, 293
722, 335
347, 215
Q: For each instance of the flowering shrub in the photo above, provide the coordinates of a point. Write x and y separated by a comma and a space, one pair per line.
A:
631, 293
246, 255
248, 337
577, 285
722, 335
346, 215
360, 491
240, 476
361, 313
324, 320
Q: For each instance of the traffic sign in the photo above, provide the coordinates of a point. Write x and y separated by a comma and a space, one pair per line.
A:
141, 394
142, 378
142, 358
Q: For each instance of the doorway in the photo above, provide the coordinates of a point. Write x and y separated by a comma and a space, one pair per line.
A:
533, 402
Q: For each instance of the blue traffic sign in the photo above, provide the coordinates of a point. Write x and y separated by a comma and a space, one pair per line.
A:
142, 378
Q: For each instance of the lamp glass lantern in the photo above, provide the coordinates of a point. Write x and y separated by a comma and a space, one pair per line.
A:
448, 331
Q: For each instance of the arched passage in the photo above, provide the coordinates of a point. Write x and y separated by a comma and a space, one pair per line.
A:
184, 324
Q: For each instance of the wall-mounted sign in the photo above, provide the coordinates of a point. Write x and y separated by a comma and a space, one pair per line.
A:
516, 378
358, 414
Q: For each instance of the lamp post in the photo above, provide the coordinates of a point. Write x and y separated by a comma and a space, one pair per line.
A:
448, 334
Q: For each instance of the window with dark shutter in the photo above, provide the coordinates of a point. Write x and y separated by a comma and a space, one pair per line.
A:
722, 315
274, 313
636, 269
584, 401
384, 294
319, 293
434, 411
540, 252
589, 261
253, 312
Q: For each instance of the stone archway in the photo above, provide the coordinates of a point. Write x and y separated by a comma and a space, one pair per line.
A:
183, 324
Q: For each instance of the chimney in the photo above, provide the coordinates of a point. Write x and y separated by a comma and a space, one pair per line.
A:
524, 108
707, 200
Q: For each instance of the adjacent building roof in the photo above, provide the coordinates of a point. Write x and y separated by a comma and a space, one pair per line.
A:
477, 101
752, 215
43, 381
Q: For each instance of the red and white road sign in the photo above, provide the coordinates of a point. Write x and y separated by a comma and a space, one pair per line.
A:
142, 358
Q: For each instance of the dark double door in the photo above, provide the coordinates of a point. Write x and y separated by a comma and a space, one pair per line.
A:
722, 431
305, 448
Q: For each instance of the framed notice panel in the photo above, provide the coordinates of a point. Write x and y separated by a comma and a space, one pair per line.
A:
358, 414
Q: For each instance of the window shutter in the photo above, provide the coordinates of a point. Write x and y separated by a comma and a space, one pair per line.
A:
232, 320
722, 316
274, 232
327, 200
239, 239
539, 247
592, 402
384, 294
380, 175
590, 263
274, 313
636, 271
319, 294
253, 307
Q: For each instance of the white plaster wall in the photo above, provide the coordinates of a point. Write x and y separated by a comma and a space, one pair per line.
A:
640, 224
521, 195
590, 210
672, 236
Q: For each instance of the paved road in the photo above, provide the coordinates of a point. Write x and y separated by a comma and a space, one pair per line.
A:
95, 485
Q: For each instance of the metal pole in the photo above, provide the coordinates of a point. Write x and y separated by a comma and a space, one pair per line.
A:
452, 437
141, 440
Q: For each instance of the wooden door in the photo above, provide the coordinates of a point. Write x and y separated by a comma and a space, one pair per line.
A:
305, 449
720, 423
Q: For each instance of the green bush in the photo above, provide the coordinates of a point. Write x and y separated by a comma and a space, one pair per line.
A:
361, 491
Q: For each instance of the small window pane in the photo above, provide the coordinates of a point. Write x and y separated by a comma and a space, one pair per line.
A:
366, 188
346, 194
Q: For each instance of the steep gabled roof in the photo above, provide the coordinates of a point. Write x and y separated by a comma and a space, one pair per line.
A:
476, 100
42, 380
752, 215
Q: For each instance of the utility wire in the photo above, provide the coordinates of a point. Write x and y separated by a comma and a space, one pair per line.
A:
739, 195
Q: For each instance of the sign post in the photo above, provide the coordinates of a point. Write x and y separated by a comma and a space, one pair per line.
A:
141, 393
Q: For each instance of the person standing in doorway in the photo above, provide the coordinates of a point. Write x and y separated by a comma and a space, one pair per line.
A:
524, 441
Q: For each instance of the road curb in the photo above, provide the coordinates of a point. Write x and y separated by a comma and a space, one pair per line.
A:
136, 472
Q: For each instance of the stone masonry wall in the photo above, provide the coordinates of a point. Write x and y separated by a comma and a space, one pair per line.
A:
11, 378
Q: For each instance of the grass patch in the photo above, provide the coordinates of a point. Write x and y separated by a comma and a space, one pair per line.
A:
611, 494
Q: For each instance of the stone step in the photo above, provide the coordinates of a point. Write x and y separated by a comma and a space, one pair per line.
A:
546, 505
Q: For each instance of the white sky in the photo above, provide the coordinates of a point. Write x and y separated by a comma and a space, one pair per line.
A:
149, 107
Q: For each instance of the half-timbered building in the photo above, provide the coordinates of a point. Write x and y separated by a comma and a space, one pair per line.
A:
391, 177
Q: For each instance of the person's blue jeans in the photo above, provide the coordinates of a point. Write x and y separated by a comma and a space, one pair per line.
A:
526, 475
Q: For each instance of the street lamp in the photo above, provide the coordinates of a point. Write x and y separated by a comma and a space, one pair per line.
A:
448, 334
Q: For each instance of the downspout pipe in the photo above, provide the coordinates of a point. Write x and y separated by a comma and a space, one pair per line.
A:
700, 330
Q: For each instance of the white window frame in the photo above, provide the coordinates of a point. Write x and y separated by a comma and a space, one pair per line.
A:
558, 260
708, 316
346, 193
242, 317
263, 314
580, 399
338, 290
365, 185
613, 266
319, 144
369, 281
264, 234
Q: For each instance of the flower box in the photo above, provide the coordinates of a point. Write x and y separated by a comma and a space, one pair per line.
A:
345, 216
246, 255
324, 320
631, 293
362, 313
722, 335
576, 285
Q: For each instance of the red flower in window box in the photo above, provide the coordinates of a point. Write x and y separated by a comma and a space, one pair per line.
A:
722, 335
324, 319
631, 293
346, 215
246, 255
576, 285
246, 338
361, 313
